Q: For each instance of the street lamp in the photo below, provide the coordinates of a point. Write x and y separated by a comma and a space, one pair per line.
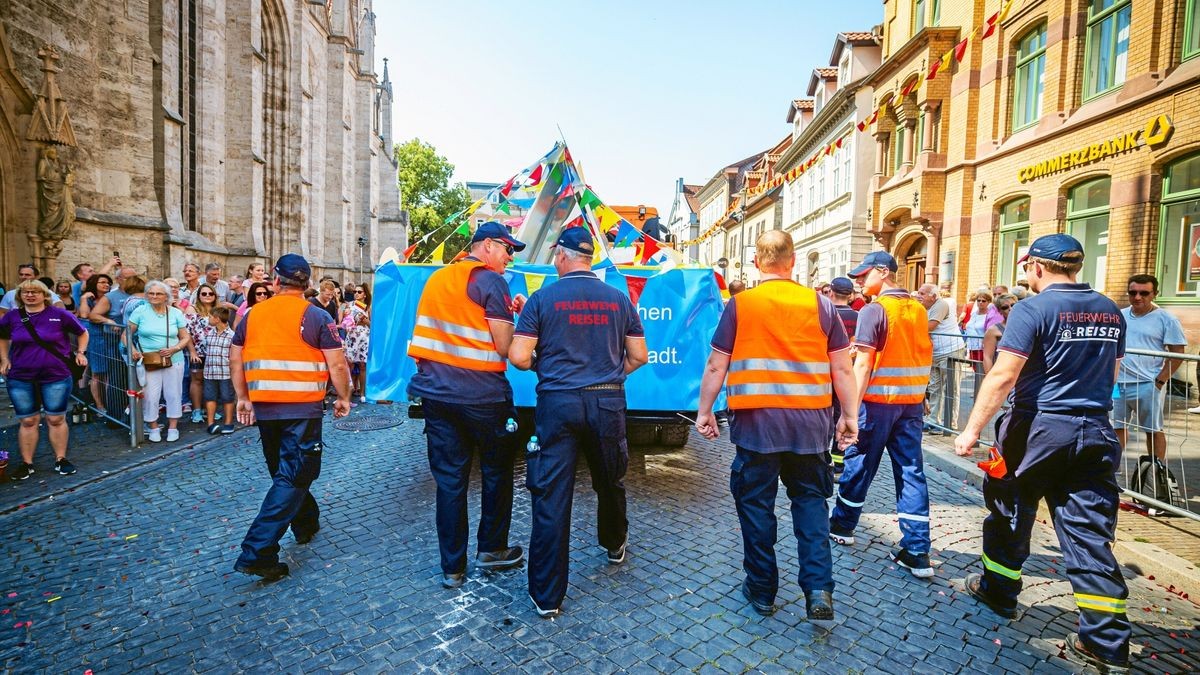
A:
362, 243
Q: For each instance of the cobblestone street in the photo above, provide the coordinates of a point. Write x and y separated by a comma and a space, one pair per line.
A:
133, 573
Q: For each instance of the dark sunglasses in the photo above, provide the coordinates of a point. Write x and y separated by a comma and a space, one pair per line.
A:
1003, 308
204, 293
262, 293
507, 247
1138, 294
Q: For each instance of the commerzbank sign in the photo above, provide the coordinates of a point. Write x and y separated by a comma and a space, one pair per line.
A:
1156, 132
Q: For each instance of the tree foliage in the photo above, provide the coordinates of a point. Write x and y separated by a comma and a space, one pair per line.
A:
429, 196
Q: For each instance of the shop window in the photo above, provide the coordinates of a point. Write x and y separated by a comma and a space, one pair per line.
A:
1107, 46
1014, 241
1191, 30
1027, 83
1087, 221
1179, 242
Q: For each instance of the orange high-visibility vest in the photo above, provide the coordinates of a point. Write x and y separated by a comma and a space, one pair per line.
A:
780, 356
280, 366
901, 370
450, 328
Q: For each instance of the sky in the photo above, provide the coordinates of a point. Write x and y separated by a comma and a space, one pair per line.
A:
644, 92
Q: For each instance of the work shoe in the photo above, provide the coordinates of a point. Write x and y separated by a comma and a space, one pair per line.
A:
268, 571
306, 537
214, 428
761, 606
227, 429
197, 416
544, 613
616, 556
172, 435
22, 471
455, 580
64, 467
973, 584
1075, 644
917, 563
841, 537
819, 605
500, 560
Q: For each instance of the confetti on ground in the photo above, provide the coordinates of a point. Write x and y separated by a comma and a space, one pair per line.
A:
12, 595
57, 597
132, 536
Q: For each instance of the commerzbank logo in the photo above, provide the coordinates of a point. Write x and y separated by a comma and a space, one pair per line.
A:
1156, 132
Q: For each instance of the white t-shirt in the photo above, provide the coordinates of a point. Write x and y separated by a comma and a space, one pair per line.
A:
943, 342
1152, 331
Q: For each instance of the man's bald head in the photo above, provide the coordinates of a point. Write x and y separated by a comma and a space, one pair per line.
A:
927, 294
774, 253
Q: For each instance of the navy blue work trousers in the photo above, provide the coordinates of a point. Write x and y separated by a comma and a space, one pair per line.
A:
754, 481
454, 433
1070, 461
590, 422
896, 428
292, 449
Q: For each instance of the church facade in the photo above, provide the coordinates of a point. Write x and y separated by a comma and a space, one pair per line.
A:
176, 131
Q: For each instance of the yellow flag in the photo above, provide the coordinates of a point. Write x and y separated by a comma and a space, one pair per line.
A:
438, 253
533, 282
1004, 12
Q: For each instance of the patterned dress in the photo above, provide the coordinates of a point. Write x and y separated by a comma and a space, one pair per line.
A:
358, 337
199, 328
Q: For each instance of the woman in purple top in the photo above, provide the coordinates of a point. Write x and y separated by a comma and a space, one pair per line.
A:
33, 370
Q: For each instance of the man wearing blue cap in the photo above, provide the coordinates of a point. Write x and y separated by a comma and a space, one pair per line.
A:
283, 357
1061, 349
463, 332
587, 337
891, 370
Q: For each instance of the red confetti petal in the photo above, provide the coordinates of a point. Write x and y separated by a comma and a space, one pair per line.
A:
1151, 577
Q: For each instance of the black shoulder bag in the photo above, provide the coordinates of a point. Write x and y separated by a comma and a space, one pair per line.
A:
76, 369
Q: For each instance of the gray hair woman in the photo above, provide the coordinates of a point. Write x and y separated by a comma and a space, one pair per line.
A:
160, 329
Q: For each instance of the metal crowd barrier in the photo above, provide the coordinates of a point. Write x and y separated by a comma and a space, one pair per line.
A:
1170, 484
116, 379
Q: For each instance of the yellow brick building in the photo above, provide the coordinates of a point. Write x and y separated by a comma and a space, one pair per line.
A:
1079, 116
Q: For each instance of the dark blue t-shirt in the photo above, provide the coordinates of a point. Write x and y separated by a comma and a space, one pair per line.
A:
444, 382
580, 324
317, 330
767, 430
1070, 337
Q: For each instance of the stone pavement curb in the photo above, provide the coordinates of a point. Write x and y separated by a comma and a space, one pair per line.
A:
1149, 560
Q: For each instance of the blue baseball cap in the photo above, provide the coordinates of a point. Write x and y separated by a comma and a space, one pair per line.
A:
842, 286
1053, 247
494, 230
293, 269
871, 260
578, 239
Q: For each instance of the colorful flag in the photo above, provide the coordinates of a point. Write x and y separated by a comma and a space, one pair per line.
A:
909, 88
960, 49
408, 251
464, 229
533, 282
535, 176
649, 248
1004, 11
991, 25
438, 253
636, 286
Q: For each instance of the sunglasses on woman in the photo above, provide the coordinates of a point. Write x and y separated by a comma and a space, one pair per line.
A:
260, 294
203, 294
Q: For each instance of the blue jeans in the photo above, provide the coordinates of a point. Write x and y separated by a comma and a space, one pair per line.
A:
454, 433
754, 482
292, 449
31, 398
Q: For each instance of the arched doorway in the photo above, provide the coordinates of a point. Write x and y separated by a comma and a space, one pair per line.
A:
912, 257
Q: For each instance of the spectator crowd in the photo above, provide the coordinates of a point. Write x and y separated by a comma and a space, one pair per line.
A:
79, 348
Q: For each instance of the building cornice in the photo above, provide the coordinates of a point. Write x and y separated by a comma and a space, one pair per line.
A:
841, 103
910, 49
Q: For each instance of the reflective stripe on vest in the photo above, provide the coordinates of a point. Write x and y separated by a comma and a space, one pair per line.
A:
280, 366
780, 354
901, 370
450, 328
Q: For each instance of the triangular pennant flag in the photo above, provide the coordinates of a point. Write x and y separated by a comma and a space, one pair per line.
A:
627, 234
909, 88
460, 256
464, 229
535, 176
408, 251
960, 49
507, 187
862, 126
438, 253
933, 70
533, 282
1004, 11
636, 286
504, 208
839, 142
720, 280
991, 25
649, 248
